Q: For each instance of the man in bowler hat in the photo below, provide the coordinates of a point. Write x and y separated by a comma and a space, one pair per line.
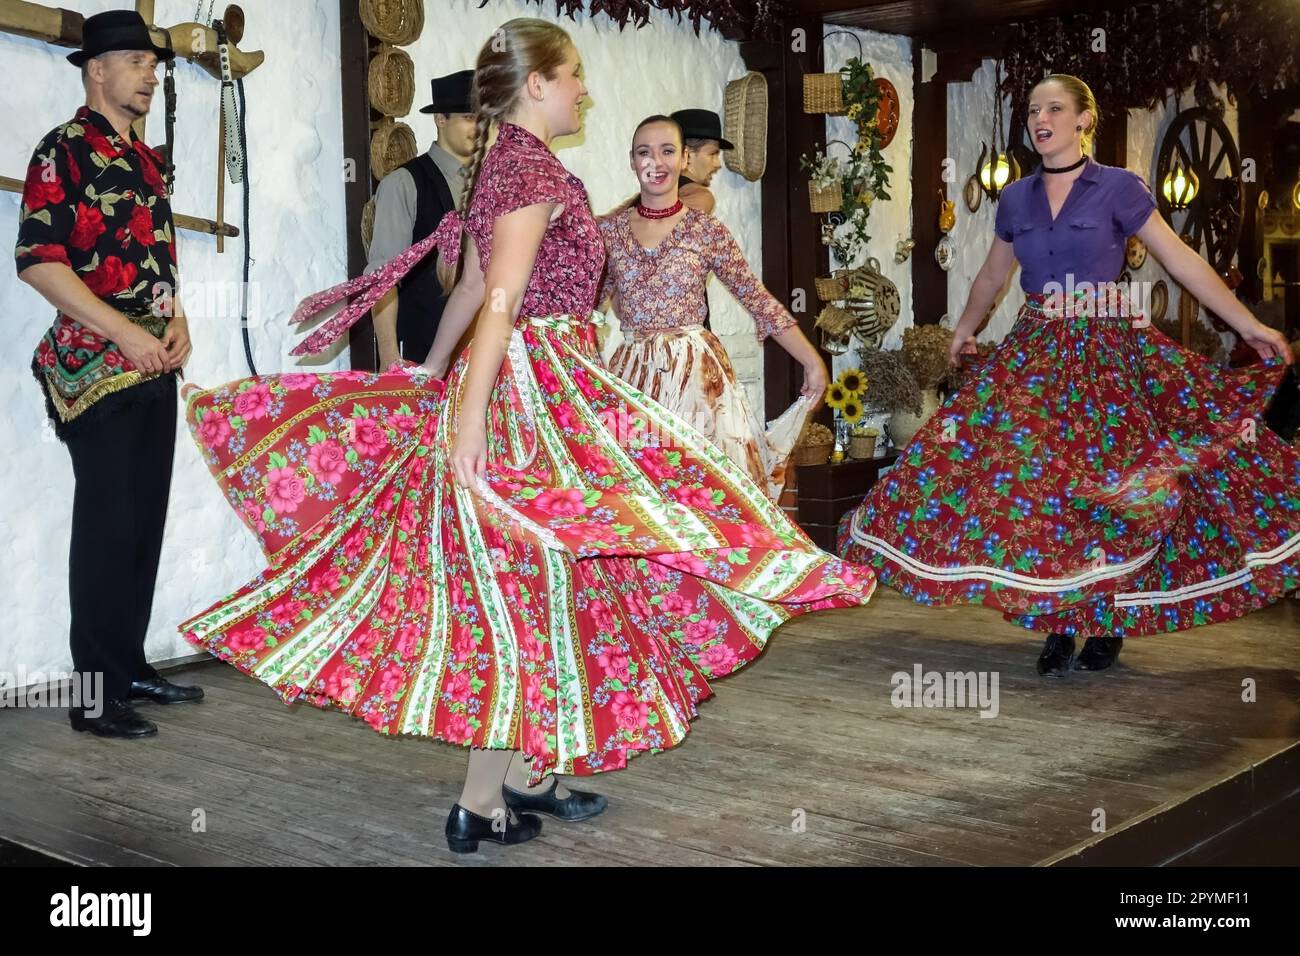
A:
702, 146
96, 240
410, 203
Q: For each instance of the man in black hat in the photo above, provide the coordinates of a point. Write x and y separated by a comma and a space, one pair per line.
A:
702, 146
95, 238
410, 203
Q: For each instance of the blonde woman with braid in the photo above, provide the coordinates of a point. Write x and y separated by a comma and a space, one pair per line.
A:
488, 561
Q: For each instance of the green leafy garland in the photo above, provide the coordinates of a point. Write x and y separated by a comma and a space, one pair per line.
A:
864, 177
862, 105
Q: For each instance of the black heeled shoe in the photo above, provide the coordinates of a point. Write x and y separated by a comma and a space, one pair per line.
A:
465, 830
578, 805
1098, 653
1057, 655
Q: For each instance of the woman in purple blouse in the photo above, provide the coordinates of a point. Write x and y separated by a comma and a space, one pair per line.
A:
1094, 478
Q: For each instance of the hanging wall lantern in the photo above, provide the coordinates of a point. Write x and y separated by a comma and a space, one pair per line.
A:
996, 166
1180, 187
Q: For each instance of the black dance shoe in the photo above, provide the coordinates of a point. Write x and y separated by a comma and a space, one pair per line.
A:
465, 830
1098, 653
118, 720
1056, 656
159, 690
578, 805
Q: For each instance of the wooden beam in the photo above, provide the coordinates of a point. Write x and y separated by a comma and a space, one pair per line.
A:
191, 41
793, 254
1112, 139
1254, 122
929, 148
146, 10
188, 223
354, 64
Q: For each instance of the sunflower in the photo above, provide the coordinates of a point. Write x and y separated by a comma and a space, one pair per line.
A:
851, 410
853, 381
836, 396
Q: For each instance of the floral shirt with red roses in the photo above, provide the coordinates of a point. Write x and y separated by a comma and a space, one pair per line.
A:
97, 203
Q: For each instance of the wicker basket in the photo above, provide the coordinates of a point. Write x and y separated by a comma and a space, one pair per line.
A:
823, 93
835, 320
830, 199
391, 81
862, 447
368, 223
877, 310
399, 22
831, 288
391, 145
813, 454
816, 442
746, 126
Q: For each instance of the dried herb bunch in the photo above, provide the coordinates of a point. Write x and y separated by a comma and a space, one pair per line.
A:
925, 353
1155, 48
893, 388
734, 19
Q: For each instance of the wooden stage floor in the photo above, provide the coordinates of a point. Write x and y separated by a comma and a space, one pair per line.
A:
1163, 745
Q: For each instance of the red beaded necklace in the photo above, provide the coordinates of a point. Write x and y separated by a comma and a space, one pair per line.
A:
645, 212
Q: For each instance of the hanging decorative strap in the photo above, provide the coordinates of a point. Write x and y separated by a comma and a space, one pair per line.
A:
364, 291
229, 111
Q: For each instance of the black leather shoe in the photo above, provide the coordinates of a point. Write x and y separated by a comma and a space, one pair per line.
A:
1056, 656
159, 690
117, 720
576, 806
465, 830
1098, 653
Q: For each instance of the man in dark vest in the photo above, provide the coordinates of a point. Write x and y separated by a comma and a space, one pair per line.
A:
410, 203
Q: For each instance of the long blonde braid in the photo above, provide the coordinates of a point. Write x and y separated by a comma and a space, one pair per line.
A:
518, 47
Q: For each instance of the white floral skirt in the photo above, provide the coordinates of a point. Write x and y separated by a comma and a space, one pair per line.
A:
689, 372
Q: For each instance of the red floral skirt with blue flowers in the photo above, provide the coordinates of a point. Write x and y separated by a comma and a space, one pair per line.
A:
1092, 477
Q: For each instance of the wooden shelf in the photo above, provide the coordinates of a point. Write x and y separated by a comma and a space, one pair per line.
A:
828, 492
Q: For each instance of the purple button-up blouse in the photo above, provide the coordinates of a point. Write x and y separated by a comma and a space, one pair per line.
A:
1105, 206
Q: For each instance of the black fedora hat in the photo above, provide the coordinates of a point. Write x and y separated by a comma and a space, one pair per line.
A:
451, 93
702, 124
115, 30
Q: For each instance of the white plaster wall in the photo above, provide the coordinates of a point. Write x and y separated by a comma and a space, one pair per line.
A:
970, 123
294, 139
630, 75
890, 57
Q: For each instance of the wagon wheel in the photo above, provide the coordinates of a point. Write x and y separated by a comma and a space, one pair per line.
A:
1199, 141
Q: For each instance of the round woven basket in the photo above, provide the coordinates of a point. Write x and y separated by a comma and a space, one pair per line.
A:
392, 81
823, 93
813, 454
393, 21
862, 447
368, 223
746, 126
391, 145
